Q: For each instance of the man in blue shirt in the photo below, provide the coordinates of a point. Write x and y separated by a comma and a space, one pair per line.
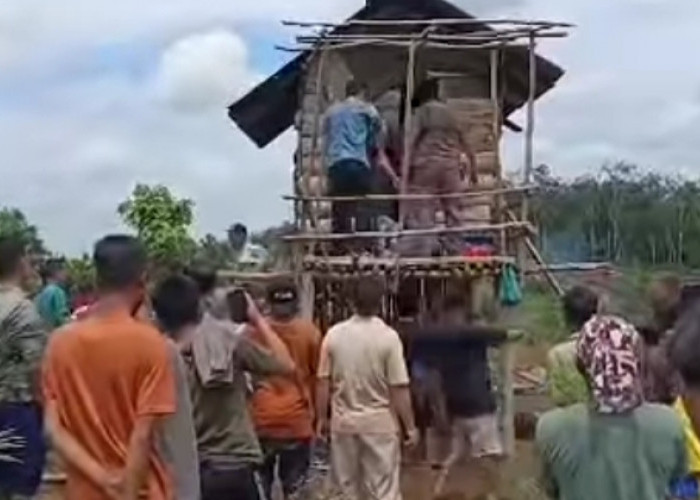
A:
52, 301
352, 133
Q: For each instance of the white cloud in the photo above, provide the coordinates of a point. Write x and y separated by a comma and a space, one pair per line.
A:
204, 71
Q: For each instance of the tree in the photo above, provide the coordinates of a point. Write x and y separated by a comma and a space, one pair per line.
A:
163, 222
14, 223
81, 273
213, 252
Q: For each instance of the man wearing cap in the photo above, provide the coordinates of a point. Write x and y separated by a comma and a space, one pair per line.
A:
283, 406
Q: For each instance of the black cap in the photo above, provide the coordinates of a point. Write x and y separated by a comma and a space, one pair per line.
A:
282, 293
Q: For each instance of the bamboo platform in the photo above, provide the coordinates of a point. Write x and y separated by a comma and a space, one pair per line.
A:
429, 267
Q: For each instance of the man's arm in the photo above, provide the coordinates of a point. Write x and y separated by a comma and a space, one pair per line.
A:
60, 307
75, 455
397, 375
155, 399
323, 389
138, 454
269, 338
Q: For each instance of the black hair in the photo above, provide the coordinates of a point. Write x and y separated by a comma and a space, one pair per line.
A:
580, 305
120, 262
429, 90
238, 228
354, 88
369, 293
12, 251
205, 279
282, 287
176, 303
51, 268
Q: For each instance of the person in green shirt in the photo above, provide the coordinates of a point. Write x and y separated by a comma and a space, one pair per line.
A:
615, 446
52, 301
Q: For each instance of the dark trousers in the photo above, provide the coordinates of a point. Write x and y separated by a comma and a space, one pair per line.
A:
350, 178
291, 459
20, 472
226, 482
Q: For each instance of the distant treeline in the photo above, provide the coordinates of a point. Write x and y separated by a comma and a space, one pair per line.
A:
621, 215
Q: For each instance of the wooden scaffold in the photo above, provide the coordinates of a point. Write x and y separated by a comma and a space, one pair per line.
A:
325, 278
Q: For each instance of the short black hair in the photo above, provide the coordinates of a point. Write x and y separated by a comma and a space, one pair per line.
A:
52, 267
204, 277
12, 251
580, 305
120, 261
238, 228
429, 90
684, 347
369, 293
176, 303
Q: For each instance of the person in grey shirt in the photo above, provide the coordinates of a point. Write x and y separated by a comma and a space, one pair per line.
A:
176, 304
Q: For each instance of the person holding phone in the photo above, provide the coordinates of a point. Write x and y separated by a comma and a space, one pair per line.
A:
229, 450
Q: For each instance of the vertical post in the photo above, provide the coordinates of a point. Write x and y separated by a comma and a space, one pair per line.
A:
307, 296
407, 127
312, 207
507, 362
496, 124
530, 124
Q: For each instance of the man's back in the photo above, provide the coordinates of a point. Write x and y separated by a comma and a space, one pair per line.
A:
104, 373
351, 128
635, 456
366, 359
52, 304
282, 405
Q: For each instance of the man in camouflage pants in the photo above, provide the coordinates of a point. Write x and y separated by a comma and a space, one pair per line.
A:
22, 339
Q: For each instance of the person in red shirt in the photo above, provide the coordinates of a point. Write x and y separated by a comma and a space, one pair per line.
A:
108, 382
283, 406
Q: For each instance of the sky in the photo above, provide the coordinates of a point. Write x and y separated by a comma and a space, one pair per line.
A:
98, 95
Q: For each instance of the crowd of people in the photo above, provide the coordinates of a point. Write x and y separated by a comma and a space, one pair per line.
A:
183, 389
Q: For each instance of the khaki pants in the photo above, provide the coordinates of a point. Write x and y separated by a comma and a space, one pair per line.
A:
366, 466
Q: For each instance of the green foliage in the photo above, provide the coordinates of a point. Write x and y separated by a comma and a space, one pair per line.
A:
541, 315
213, 252
81, 273
620, 215
566, 387
162, 221
14, 223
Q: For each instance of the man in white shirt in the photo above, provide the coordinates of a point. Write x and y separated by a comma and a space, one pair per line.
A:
363, 370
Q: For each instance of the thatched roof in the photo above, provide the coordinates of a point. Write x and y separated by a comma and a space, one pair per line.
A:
269, 109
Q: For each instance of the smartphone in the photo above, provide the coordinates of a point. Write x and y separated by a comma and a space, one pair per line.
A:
238, 305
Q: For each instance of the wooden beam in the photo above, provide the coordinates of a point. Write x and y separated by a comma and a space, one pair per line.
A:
480, 228
407, 128
349, 261
423, 22
469, 193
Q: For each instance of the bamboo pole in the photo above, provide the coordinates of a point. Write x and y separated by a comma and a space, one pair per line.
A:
315, 132
494, 62
507, 366
486, 36
347, 261
409, 232
530, 124
470, 193
423, 22
407, 128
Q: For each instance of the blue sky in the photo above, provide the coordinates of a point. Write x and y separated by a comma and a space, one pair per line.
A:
96, 96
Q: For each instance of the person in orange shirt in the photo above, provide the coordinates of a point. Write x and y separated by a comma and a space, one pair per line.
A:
107, 382
283, 406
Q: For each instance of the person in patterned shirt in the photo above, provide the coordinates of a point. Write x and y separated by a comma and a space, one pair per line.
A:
23, 337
